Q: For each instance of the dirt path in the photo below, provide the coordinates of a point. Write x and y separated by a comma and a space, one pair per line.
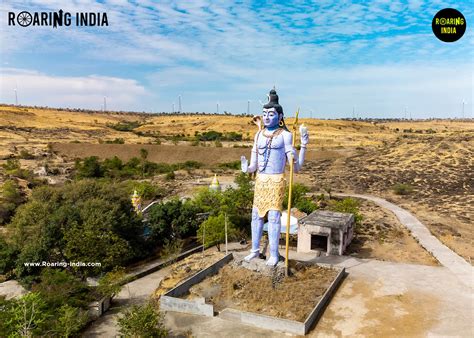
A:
448, 258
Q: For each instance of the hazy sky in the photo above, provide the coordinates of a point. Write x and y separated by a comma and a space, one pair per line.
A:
378, 58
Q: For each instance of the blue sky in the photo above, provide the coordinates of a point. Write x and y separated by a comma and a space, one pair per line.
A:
377, 58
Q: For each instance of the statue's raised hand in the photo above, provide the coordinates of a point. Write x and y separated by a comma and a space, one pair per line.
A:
244, 164
304, 135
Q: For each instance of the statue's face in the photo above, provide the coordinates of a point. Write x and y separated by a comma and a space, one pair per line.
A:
270, 117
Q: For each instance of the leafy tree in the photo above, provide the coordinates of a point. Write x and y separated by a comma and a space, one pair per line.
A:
70, 321
10, 198
214, 231
27, 316
142, 321
8, 255
149, 191
209, 200
113, 167
84, 221
111, 283
89, 168
172, 219
58, 287
143, 156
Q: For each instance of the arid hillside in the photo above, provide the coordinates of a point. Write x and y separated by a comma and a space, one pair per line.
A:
425, 166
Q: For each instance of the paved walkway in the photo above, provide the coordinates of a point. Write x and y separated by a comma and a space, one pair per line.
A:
448, 258
376, 299
136, 292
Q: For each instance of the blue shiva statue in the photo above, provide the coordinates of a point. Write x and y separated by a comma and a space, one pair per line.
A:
272, 149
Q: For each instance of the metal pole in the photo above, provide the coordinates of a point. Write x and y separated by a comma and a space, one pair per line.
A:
288, 218
203, 238
226, 251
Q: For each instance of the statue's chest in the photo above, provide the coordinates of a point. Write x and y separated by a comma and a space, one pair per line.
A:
275, 142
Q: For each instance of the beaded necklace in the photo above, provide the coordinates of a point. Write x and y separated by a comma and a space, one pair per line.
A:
268, 147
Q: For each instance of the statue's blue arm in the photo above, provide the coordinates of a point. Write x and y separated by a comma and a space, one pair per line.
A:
246, 168
298, 161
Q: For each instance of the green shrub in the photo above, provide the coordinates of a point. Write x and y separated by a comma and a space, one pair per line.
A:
347, 205
149, 191
83, 221
230, 165
58, 287
8, 254
116, 141
13, 168
402, 189
124, 125
10, 198
90, 167
170, 176
142, 321
306, 205
171, 249
111, 284
24, 154
214, 231
70, 320
24, 317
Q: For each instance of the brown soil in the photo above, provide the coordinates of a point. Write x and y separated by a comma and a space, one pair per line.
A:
438, 167
381, 236
290, 298
185, 269
436, 157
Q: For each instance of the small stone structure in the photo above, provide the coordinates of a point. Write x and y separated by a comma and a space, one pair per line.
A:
325, 231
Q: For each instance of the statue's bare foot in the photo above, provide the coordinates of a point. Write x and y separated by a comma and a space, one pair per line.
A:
272, 261
251, 256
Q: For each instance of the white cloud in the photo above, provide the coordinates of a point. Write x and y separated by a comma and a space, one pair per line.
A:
35, 88
330, 55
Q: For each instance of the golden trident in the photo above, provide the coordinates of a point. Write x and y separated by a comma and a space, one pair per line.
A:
288, 218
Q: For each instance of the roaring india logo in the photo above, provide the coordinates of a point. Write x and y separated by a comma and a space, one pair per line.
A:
449, 25
59, 18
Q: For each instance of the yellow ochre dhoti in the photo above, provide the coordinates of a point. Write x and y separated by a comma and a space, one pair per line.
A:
269, 193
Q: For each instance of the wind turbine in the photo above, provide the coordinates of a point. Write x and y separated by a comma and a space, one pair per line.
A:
173, 108
105, 103
16, 97
248, 107
179, 104
217, 107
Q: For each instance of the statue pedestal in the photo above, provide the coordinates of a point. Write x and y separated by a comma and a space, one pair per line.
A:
258, 265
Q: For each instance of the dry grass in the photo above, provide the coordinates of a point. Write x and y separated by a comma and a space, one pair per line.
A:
435, 157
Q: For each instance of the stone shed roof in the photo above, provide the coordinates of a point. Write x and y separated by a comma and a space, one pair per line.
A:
330, 219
